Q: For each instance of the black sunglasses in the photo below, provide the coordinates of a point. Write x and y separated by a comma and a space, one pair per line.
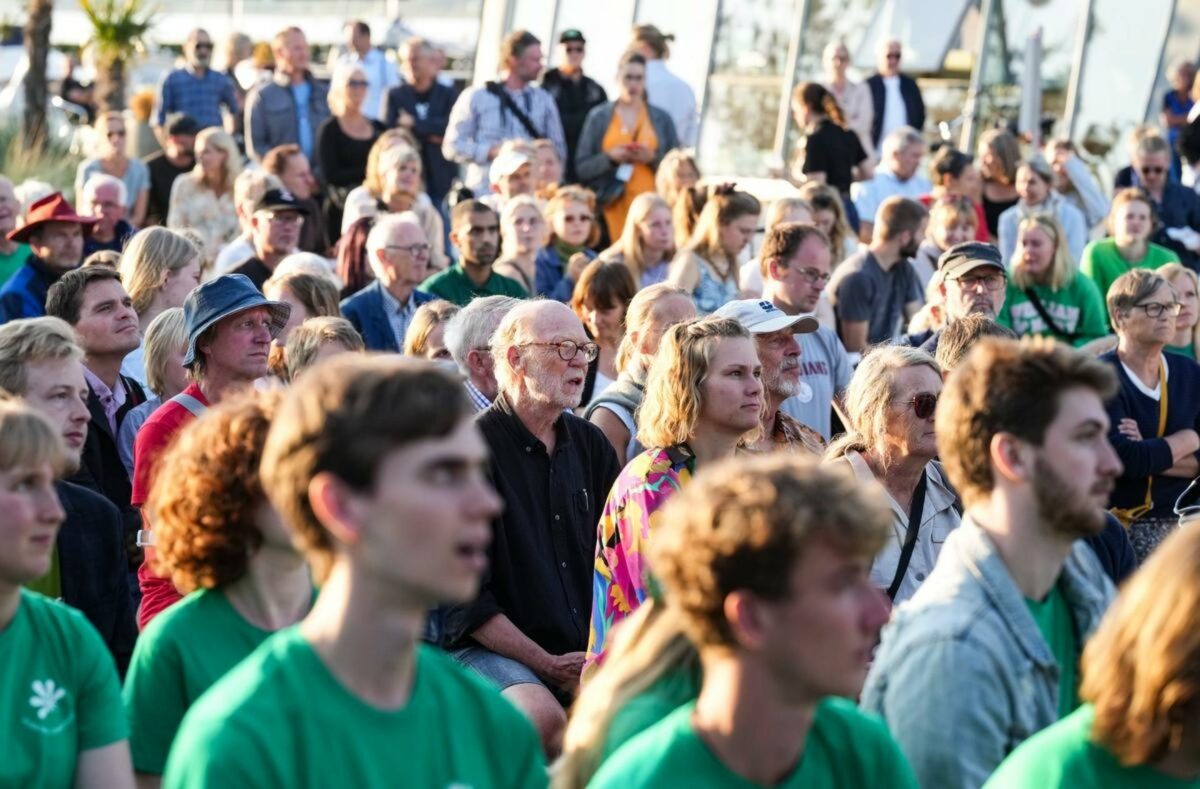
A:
1154, 170
207, 47
923, 405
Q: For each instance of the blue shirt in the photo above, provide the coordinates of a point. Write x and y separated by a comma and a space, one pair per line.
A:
304, 131
197, 97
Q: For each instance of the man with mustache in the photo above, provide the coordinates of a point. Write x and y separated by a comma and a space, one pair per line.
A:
475, 232
973, 282
986, 652
876, 292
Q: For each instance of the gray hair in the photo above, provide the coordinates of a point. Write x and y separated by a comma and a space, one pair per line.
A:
103, 179
474, 326
384, 230
306, 263
1129, 289
898, 139
516, 329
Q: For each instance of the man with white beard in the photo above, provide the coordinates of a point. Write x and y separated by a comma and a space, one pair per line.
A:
779, 354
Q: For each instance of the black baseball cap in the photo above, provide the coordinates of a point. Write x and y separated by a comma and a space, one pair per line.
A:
968, 256
278, 200
571, 34
180, 125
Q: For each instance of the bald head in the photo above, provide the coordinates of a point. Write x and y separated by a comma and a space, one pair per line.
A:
529, 349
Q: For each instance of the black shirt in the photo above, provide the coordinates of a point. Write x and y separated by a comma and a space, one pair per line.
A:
835, 151
544, 544
575, 100
342, 159
256, 270
162, 176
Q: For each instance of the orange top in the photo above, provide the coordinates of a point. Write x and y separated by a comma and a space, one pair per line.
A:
642, 179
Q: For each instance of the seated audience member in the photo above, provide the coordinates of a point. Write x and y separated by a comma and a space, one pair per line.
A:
1035, 189
971, 279
317, 339
707, 267
293, 169
164, 344
103, 197
896, 176
548, 168
1137, 685
308, 296
12, 253
989, 645
955, 176
89, 568
746, 559
378, 472
71, 730
952, 221
426, 335
652, 312
204, 199
275, 234
248, 188
574, 229
1046, 294
1131, 223
876, 291
961, 335
176, 158
890, 405
1074, 182
1176, 207
647, 242
527, 629
108, 155
677, 173
468, 336
999, 155
223, 547
783, 210
398, 254
1187, 289
703, 397
55, 235
510, 175
601, 300
475, 233
523, 234
829, 214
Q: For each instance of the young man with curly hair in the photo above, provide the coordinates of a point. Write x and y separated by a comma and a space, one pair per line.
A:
378, 469
220, 542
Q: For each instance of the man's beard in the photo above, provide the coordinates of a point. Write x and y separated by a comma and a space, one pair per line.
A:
1060, 508
782, 386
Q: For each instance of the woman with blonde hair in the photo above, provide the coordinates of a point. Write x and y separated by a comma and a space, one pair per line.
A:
890, 404
704, 395
653, 311
109, 157
202, 200
707, 267
829, 214
574, 230
426, 335
1046, 293
1139, 723
1187, 326
344, 139
164, 343
677, 173
309, 296
523, 234
647, 242
952, 220
853, 97
222, 544
317, 339
158, 269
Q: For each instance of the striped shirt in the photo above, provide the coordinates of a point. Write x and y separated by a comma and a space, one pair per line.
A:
479, 121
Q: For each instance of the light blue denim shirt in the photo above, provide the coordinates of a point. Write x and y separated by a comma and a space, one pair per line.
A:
963, 675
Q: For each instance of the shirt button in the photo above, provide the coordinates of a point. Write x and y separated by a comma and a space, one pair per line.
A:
528, 449
556, 518
564, 564
574, 610
920, 576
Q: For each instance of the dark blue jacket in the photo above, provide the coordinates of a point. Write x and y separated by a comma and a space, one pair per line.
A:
914, 105
24, 295
94, 569
429, 129
123, 232
1113, 549
550, 275
366, 313
1180, 207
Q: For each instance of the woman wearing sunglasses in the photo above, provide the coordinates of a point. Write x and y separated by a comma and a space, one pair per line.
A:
890, 404
1155, 414
344, 139
108, 156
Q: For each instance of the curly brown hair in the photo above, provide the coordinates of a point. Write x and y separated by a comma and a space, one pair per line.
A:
203, 499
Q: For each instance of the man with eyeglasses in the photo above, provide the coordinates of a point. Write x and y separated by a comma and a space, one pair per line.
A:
274, 233
475, 233
195, 89
796, 260
528, 628
1176, 207
895, 96
973, 283
574, 92
398, 254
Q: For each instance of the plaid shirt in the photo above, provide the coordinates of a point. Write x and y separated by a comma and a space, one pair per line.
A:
479, 121
478, 400
197, 97
399, 315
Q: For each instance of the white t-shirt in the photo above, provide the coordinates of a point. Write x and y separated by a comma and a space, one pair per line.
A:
894, 113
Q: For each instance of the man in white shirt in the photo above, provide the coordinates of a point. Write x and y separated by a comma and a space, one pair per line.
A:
896, 176
895, 96
381, 74
664, 89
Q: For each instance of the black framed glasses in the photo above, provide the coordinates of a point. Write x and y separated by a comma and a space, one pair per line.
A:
1152, 170
569, 349
1155, 309
416, 250
990, 283
923, 405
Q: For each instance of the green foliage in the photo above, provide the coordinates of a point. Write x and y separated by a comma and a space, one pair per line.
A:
118, 27
55, 165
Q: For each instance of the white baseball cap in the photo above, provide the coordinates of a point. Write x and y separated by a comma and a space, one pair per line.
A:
760, 316
507, 163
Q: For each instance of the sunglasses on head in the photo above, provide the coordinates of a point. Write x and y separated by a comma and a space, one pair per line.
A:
923, 405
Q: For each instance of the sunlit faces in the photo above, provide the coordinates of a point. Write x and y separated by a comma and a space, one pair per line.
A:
425, 526
572, 223
1185, 290
525, 228
798, 283
907, 160
607, 324
240, 344
107, 324
179, 283
548, 167
297, 176
32, 515
112, 136
546, 377
667, 312
528, 65
211, 157
1152, 320
9, 207
57, 388
277, 232
298, 315
970, 182
908, 433
947, 234
518, 182
657, 231
293, 53
1132, 223
402, 175
403, 263
435, 344
104, 202
477, 237
779, 353
1152, 169
737, 234
59, 245
1036, 252
633, 81
731, 394
980, 290
1032, 188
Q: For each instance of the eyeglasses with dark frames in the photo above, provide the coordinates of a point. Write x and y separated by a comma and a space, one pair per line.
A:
1155, 309
416, 250
569, 349
814, 276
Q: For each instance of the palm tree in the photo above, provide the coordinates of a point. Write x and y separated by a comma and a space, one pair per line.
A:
118, 34
37, 94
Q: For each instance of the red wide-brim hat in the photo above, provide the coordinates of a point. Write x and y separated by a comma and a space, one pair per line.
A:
51, 208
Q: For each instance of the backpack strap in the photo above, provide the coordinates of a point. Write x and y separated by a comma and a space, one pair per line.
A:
194, 406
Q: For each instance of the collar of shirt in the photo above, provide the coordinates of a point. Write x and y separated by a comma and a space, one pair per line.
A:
478, 399
393, 306
562, 437
110, 399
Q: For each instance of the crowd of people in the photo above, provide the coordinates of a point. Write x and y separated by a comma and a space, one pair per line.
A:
374, 431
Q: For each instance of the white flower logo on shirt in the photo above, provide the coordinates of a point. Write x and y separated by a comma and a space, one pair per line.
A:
45, 698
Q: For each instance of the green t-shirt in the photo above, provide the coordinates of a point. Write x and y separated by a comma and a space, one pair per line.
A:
11, 262
667, 694
845, 749
453, 285
1183, 350
1057, 626
60, 694
1103, 263
182, 653
1064, 755
1076, 309
49, 584
280, 718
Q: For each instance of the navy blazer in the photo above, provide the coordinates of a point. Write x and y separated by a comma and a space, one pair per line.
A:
429, 130
914, 105
365, 312
93, 568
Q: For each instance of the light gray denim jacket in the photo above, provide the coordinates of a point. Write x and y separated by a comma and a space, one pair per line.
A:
963, 675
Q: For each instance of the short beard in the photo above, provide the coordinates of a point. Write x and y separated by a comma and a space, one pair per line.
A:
1058, 506
782, 387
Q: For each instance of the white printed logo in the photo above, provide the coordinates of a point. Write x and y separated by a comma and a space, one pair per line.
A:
45, 698
52, 707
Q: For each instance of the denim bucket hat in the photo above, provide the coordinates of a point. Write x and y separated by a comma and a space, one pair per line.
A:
220, 298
